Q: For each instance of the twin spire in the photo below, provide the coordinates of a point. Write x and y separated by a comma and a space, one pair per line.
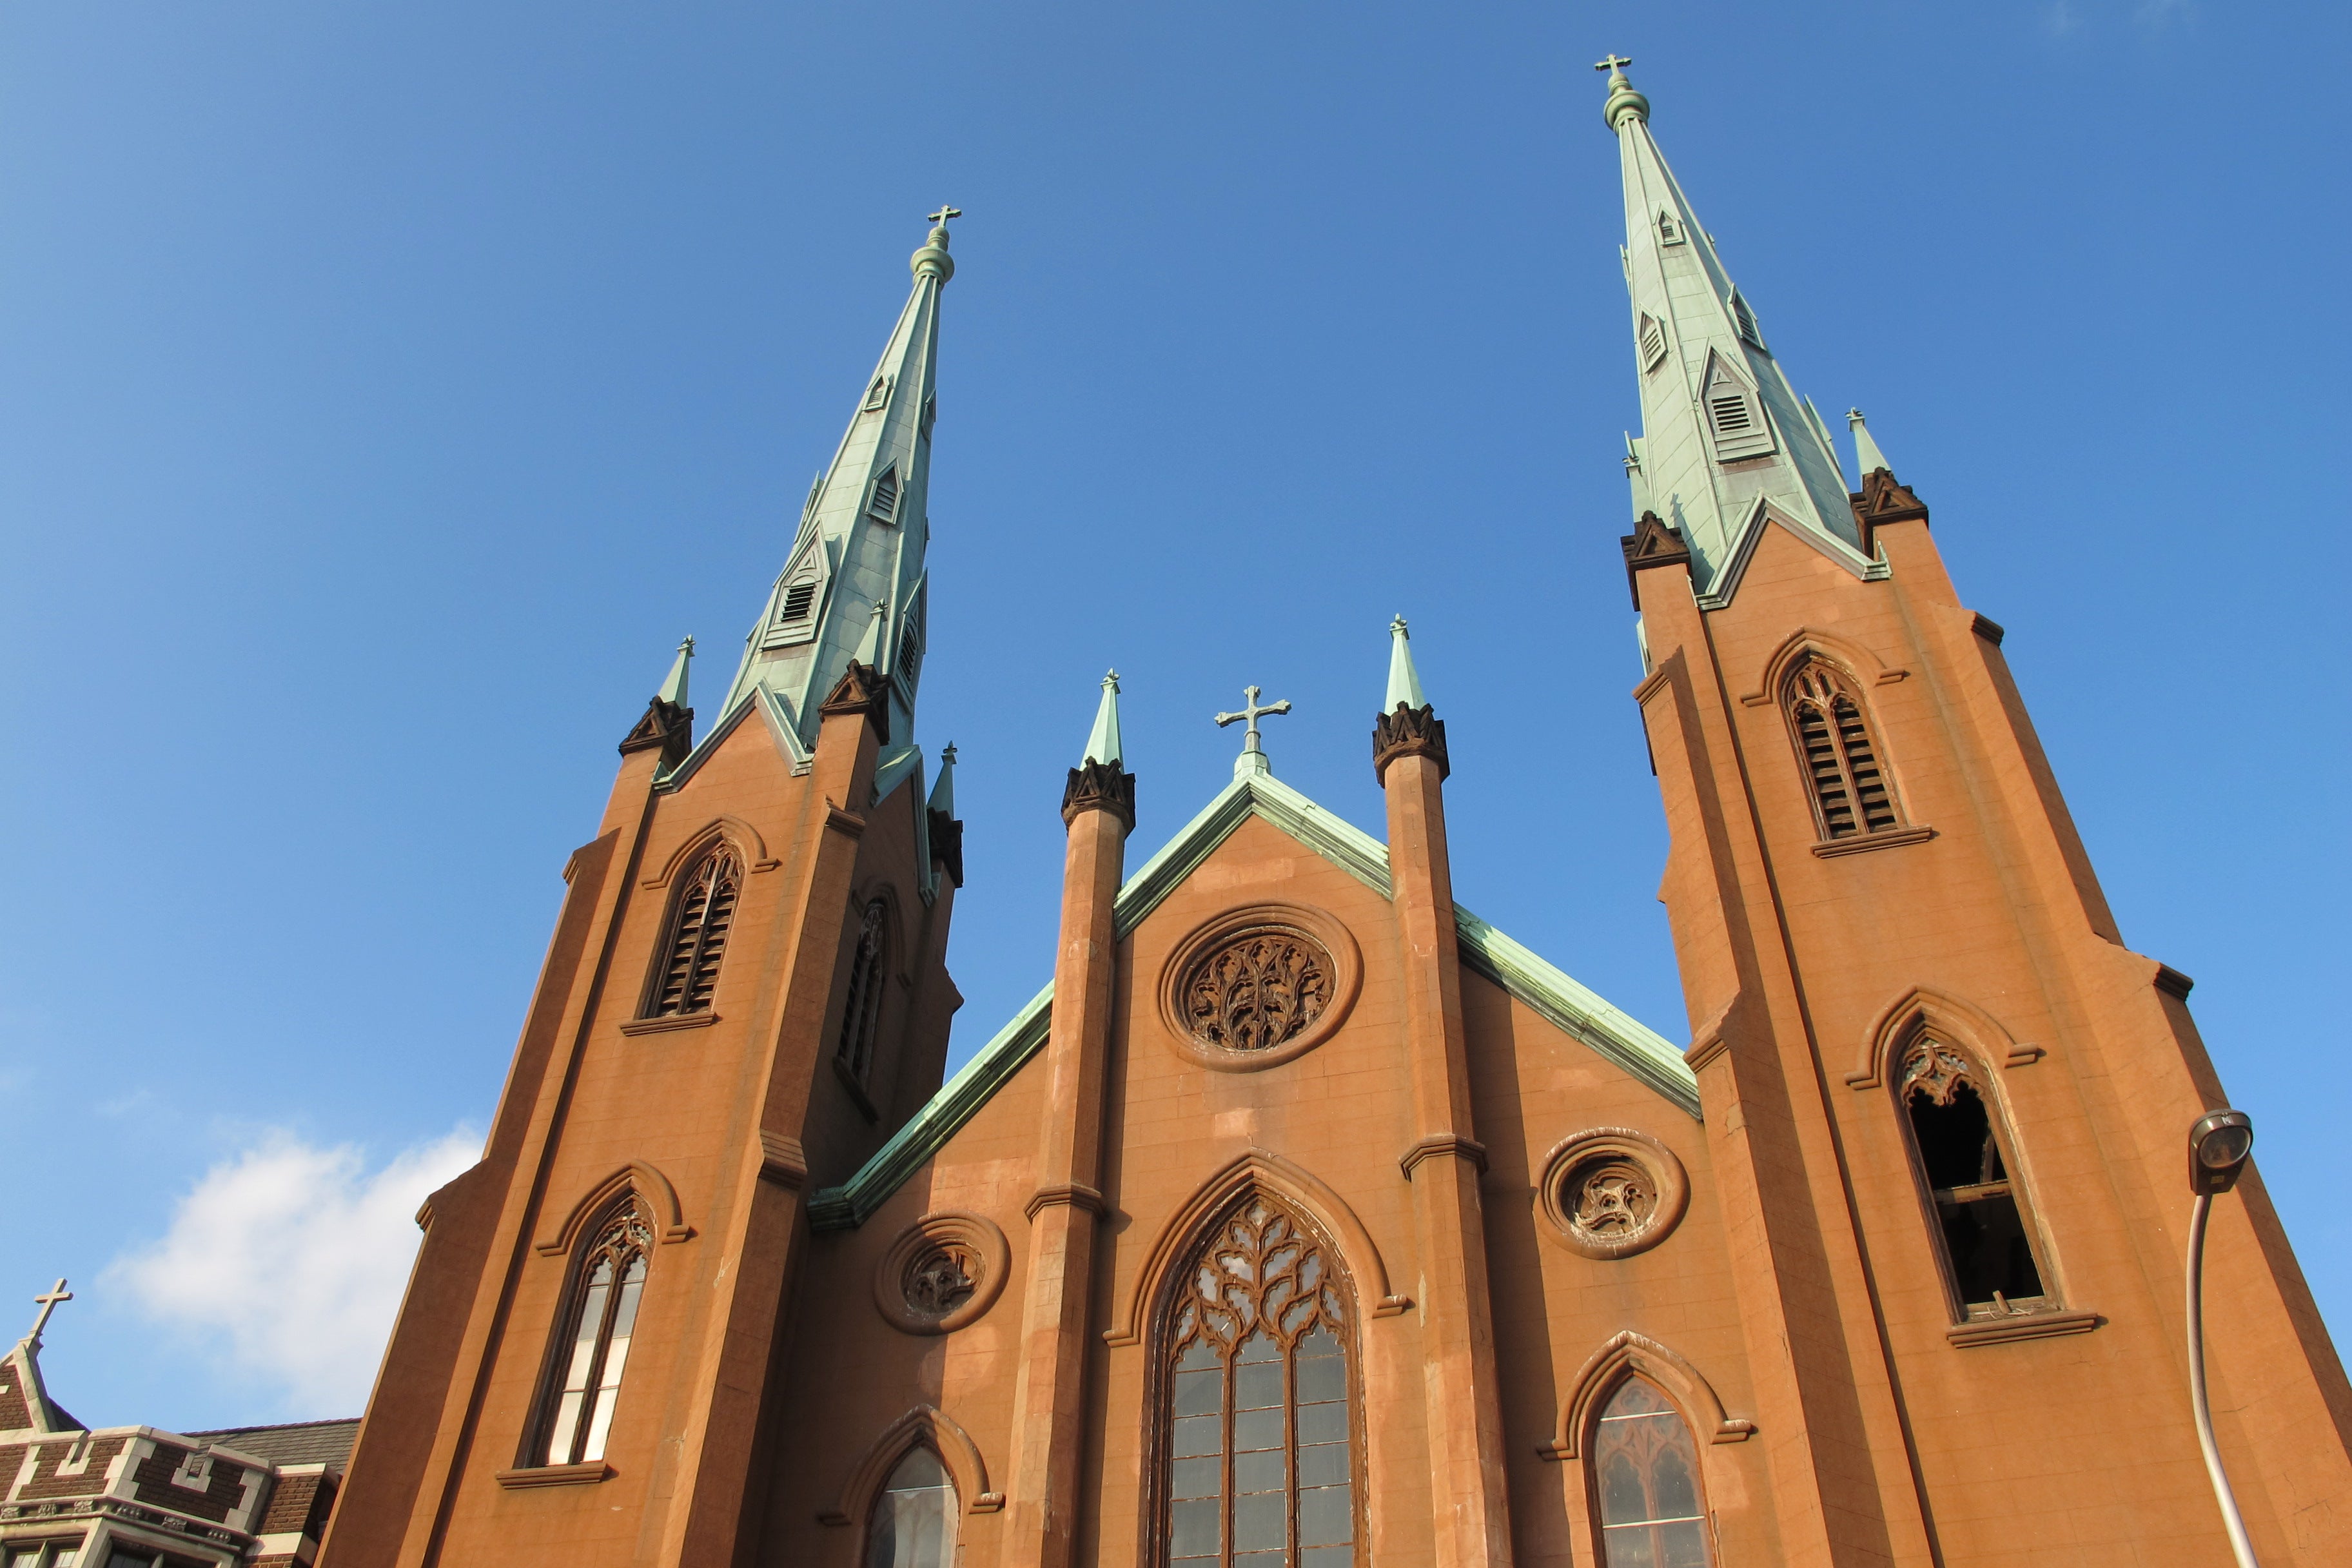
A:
1727, 444
853, 583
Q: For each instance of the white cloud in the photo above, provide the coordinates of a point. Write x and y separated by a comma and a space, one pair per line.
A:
287, 1262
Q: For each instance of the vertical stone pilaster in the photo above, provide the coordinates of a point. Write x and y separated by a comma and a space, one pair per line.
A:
1470, 1506
1049, 1389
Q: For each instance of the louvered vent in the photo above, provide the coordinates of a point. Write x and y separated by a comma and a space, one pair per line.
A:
878, 394
799, 599
884, 507
1731, 414
1654, 341
1848, 787
863, 1010
1669, 231
706, 909
1746, 318
910, 653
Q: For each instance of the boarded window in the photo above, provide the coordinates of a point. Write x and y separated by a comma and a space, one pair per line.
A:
1979, 1220
1645, 1478
698, 924
913, 1521
1842, 770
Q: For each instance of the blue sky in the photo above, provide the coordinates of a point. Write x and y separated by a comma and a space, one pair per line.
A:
385, 388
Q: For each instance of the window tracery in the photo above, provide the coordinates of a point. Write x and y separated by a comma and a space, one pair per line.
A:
1843, 774
1257, 989
600, 1319
1645, 1482
1257, 1437
698, 924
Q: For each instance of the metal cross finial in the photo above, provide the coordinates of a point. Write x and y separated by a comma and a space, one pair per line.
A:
1111, 680
1613, 63
1854, 416
48, 1303
945, 213
1397, 628
1251, 712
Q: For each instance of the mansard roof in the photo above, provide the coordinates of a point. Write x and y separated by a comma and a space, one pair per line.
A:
1581, 1014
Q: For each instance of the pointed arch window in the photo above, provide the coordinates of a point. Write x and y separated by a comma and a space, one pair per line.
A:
861, 1015
1843, 772
1256, 1428
884, 505
1646, 1483
913, 1521
1982, 1228
591, 1348
703, 913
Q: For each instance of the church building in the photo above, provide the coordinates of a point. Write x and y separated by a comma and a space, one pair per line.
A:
1304, 1219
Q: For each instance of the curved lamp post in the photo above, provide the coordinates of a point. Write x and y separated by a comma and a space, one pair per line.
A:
2218, 1146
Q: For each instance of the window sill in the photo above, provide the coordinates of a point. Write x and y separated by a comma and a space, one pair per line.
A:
701, 1020
1886, 838
556, 1476
2020, 1326
857, 1096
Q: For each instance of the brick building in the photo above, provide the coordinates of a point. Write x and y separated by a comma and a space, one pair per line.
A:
1306, 1220
138, 1497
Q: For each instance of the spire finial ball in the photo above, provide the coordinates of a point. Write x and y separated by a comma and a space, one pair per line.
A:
933, 260
1623, 98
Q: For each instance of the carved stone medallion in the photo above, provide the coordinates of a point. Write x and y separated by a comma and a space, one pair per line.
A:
1258, 986
1611, 1191
943, 1272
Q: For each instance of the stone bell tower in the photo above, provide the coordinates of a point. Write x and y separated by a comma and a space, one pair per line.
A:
745, 991
1947, 1106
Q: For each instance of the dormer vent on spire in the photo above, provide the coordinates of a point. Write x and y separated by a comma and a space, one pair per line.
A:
1727, 448
852, 586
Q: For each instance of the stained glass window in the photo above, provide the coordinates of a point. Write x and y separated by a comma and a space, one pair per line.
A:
913, 1523
1259, 1438
1645, 1472
603, 1318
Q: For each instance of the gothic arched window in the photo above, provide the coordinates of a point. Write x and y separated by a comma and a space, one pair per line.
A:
913, 1521
699, 922
1981, 1224
592, 1347
861, 1014
1844, 774
1645, 1482
1256, 1451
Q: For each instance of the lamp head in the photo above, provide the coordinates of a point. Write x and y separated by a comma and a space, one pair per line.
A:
2218, 1146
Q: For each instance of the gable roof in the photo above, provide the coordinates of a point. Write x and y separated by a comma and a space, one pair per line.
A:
1579, 1012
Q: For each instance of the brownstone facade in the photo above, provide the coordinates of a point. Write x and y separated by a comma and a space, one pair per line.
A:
1308, 1222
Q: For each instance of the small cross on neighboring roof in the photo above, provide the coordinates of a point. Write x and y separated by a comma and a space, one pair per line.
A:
49, 1301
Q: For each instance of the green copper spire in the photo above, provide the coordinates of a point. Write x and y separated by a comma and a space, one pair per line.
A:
1404, 682
1867, 457
943, 792
853, 583
1727, 447
1102, 746
674, 688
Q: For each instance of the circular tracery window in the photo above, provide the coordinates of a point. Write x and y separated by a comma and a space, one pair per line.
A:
1258, 986
1257, 989
943, 1272
1611, 1191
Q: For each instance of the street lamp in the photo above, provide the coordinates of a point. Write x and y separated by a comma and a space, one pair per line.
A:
2218, 1146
